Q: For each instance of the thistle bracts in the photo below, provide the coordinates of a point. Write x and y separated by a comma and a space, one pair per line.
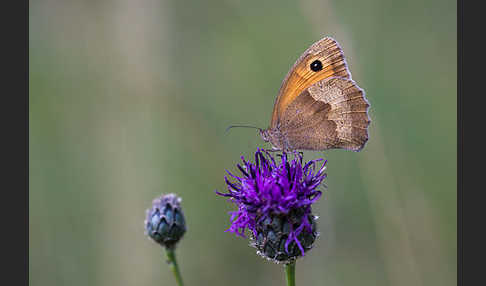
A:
272, 241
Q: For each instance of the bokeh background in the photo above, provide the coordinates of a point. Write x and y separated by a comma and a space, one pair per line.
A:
130, 99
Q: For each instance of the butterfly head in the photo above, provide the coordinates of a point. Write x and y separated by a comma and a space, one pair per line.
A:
265, 135
275, 138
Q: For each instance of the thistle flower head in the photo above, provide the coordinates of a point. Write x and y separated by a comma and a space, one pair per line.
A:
165, 222
274, 202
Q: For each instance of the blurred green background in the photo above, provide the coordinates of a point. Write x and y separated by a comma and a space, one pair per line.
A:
130, 99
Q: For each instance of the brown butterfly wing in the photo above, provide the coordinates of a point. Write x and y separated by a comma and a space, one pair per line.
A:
332, 113
301, 76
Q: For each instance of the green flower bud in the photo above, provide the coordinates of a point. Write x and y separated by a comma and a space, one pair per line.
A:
165, 222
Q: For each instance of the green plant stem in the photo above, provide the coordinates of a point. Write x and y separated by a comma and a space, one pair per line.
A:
173, 265
290, 273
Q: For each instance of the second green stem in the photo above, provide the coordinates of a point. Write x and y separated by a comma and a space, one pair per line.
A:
173, 266
290, 273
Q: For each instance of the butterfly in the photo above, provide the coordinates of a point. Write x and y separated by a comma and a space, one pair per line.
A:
319, 106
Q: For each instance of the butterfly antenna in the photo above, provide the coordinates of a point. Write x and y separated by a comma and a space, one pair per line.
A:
243, 126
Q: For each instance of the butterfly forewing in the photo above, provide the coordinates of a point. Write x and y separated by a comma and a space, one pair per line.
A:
328, 56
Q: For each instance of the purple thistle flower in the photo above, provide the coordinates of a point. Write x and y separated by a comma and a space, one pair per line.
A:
274, 202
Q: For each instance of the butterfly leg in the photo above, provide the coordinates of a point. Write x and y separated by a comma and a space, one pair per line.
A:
299, 154
272, 150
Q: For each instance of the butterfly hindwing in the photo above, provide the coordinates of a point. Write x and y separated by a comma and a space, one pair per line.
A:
332, 113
